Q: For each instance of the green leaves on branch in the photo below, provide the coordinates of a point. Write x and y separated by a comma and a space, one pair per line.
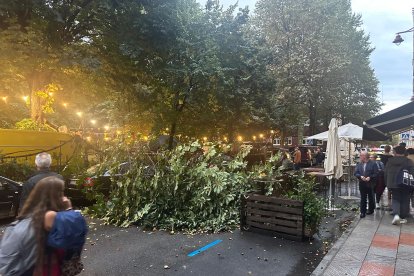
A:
182, 189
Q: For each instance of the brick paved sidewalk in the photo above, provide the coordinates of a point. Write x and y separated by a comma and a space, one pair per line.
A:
373, 247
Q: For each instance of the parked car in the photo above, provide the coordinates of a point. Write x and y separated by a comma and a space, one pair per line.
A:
97, 181
9, 197
76, 188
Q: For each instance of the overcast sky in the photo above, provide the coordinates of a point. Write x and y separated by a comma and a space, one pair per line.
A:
392, 64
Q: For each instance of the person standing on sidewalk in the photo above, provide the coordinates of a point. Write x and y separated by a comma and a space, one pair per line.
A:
366, 172
379, 183
400, 193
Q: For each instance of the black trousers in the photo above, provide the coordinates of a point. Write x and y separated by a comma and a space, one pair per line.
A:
366, 190
401, 201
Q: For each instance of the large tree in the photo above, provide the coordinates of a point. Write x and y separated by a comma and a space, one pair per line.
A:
314, 45
44, 46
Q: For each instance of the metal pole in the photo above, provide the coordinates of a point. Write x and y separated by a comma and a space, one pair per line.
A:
412, 98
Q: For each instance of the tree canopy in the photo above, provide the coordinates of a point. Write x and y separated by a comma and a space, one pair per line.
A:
178, 67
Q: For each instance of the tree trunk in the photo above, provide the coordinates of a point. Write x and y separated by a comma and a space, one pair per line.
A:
37, 82
172, 134
282, 137
312, 118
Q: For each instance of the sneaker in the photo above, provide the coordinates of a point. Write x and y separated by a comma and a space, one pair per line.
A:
377, 206
403, 221
396, 220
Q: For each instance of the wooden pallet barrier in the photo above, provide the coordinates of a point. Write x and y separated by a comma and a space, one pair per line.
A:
281, 217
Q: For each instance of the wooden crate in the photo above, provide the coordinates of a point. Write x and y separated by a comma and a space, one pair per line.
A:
279, 216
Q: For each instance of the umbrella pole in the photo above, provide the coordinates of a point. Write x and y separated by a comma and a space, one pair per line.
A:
349, 168
330, 195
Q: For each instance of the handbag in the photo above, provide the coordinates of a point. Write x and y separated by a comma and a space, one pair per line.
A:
72, 266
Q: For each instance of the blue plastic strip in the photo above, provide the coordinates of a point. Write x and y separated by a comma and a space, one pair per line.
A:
204, 248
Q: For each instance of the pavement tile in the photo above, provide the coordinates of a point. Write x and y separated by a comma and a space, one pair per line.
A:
341, 267
358, 241
376, 269
356, 253
385, 252
388, 229
405, 252
404, 267
376, 247
407, 239
385, 241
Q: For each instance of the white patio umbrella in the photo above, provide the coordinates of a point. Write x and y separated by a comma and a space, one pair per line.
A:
333, 162
347, 134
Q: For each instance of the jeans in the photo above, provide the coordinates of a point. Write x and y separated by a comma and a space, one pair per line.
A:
401, 201
366, 190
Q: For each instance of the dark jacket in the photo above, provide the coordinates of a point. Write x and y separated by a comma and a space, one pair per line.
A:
371, 171
31, 182
385, 158
393, 167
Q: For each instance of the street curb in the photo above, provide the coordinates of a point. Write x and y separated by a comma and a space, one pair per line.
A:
320, 269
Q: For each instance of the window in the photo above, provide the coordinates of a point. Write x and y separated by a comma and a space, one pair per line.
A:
288, 141
276, 141
319, 142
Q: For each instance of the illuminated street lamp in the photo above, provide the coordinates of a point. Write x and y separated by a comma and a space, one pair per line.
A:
79, 113
93, 122
106, 127
398, 39
25, 98
5, 99
65, 105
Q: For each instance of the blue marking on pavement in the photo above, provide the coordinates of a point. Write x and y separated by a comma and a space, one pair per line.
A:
204, 248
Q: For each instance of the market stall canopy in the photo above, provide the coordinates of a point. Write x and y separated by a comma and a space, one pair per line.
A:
381, 127
348, 131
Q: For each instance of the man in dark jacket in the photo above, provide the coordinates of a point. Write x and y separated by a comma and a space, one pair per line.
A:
43, 161
366, 172
400, 193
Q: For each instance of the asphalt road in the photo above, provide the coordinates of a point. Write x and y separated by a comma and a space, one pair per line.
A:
132, 251
111, 250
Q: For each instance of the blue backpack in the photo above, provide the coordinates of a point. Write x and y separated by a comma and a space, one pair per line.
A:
68, 231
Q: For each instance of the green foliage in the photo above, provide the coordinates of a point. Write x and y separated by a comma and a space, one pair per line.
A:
16, 171
29, 124
313, 204
187, 188
317, 54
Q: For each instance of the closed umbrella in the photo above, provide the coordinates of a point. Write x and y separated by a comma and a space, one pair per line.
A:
333, 162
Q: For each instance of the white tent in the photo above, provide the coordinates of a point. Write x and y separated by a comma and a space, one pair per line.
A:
348, 131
